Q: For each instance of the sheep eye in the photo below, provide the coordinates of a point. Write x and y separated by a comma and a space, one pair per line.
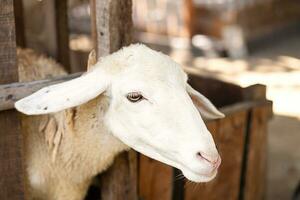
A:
134, 97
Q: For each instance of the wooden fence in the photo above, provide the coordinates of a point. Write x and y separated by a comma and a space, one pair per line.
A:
241, 139
241, 136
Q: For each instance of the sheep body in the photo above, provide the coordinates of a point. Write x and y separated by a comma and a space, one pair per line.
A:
62, 150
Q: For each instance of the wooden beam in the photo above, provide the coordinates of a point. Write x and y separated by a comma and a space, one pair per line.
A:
11, 144
111, 30
10, 93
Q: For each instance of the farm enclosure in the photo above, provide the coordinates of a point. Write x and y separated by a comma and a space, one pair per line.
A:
110, 36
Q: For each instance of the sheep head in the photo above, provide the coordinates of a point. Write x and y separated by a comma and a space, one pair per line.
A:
152, 108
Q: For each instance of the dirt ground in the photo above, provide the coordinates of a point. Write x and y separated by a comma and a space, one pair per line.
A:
277, 65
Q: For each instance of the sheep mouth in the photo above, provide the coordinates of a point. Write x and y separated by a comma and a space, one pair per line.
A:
199, 177
190, 174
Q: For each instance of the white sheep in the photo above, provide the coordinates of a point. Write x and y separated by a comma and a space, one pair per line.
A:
135, 98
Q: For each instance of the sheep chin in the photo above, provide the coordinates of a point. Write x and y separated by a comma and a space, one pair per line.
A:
199, 178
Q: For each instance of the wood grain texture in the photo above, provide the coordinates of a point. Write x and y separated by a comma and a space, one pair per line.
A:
155, 179
120, 181
229, 137
112, 25
11, 144
10, 93
256, 163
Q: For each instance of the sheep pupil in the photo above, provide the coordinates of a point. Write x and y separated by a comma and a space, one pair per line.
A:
134, 97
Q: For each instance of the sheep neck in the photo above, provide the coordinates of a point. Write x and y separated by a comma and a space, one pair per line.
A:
88, 147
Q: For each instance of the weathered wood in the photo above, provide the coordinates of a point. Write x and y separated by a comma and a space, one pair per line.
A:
120, 181
62, 34
112, 25
255, 92
155, 179
254, 186
10, 93
19, 23
188, 16
111, 30
229, 136
254, 95
11, 144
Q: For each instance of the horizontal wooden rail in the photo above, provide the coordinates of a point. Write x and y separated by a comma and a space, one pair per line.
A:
10, 93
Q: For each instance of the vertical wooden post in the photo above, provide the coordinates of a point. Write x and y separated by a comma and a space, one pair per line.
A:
11, 146
111, 29
188, 16
62, 33
19, 21
112, 25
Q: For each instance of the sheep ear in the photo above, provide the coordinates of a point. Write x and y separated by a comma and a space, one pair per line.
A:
65, 95
204, 106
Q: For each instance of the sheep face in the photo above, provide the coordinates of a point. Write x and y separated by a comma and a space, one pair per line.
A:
152, 111
152, 108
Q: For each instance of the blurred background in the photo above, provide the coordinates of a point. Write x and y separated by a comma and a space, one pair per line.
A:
239, 41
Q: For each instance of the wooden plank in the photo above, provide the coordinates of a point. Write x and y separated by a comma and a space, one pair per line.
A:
113, 25
255, 92
62, 34
155, 179
119, 182
19, 21
254, 186
188, 17
11, 144
10, 93
211, 88
229, 137
111, 30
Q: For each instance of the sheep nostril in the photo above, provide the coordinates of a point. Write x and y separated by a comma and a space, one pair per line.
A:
200, 155
216, 163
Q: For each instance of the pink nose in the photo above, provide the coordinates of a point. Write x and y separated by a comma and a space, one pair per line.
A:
215, 162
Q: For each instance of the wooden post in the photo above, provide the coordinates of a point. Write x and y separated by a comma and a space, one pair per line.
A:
62, 34
155, 179
19, 21
111, 29
11, 144
188, 17
111, 25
